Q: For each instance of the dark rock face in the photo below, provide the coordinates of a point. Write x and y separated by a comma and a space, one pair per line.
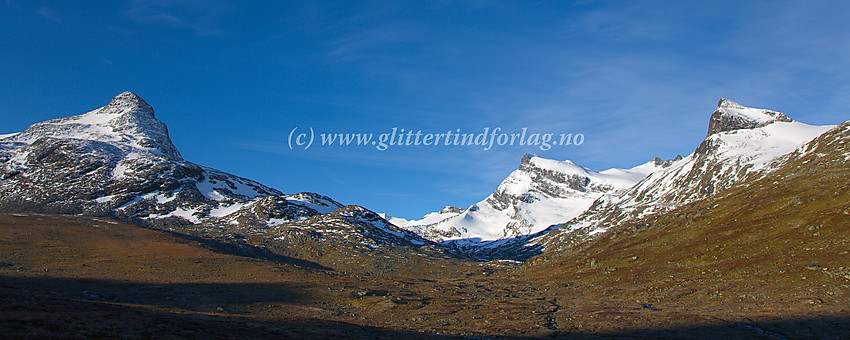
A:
126, 121
451, 210
547, 183
721, 120
665, 163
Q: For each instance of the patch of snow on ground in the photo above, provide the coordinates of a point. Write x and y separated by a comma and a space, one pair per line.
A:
187, 214
120, 171
597, 231
296, 200
104, 199
163, 198
208, 189
761, 146
227, 210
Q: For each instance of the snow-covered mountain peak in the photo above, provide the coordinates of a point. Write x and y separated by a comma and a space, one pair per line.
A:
742, 142
728, 103
566, 167
127, 121
731, 116
127, 102
540, 193
118, 161
533, 165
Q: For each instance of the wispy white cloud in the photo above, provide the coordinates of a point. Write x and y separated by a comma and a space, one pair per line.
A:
200, 17
369, 42
47, 13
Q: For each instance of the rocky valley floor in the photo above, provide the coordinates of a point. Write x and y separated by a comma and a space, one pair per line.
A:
71, 276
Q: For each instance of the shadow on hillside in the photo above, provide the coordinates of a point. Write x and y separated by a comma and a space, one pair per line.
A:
245, 250
61, 307
517, 248
189, 296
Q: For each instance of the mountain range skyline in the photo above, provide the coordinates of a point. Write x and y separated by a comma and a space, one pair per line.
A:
644, 168
118, 160
231, 90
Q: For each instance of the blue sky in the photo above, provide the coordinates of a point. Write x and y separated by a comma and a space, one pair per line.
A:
638, 79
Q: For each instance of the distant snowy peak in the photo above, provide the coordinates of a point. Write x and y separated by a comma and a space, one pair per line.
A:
434, 217
579, 178
540, 193
539, 167
731, 116
127, 122
396, 221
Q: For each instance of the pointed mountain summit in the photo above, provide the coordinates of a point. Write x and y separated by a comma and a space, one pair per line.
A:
731, 116
129, 101
127, 122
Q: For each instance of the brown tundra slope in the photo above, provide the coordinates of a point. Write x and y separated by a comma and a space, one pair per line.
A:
771, 255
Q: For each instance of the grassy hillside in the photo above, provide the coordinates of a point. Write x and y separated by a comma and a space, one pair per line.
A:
777, 247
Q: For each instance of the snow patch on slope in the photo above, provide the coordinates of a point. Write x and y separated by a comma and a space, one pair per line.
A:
228, 209
219, 186
761, 146
315, 202
397, 221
